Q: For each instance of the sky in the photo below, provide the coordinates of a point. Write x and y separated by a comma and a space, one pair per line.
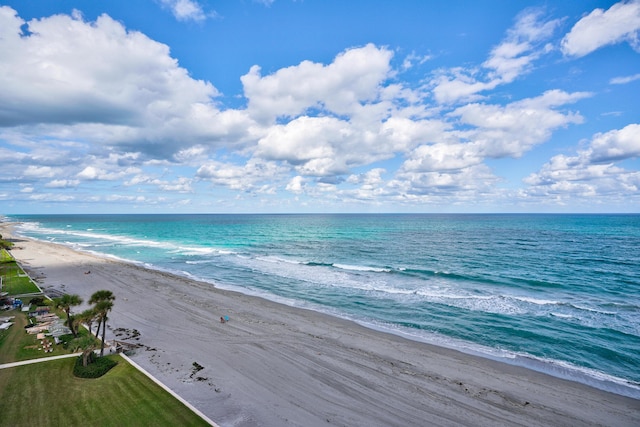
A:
287, 106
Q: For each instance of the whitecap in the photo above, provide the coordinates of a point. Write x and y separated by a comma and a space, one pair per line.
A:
562, 315
536, 300
361, 268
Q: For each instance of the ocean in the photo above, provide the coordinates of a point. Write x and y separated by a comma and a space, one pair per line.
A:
555, 293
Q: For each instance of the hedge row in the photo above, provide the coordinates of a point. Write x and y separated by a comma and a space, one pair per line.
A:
95, 369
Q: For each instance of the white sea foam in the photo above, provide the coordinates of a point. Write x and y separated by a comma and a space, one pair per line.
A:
97, 239
276, 260
562, 315
535, 300
200, 261
594, 310
200, 251
361, 268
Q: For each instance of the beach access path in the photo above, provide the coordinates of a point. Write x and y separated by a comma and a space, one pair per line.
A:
39, 360
275, 365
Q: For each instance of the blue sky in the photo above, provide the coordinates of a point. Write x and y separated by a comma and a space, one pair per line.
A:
319, 106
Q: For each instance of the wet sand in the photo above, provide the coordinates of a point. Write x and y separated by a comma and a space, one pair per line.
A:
275, 365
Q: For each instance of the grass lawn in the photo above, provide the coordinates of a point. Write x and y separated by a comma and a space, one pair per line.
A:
48, 394
5, 256
15, 343
14, 280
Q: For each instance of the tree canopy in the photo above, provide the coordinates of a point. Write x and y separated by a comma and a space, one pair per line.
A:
65, 303
103, 303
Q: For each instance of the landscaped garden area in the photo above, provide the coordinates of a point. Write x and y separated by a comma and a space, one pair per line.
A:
49, 394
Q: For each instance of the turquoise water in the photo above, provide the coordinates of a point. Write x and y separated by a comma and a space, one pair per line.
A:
555, 293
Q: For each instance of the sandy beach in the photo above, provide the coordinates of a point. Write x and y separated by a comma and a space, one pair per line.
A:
275, 365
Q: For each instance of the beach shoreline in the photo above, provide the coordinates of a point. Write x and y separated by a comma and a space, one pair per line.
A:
272, 364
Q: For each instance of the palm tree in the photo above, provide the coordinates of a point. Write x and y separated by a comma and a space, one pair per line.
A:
87, 344
102, 295
87, 351
102, 308
65, 302
88, 317
103, 301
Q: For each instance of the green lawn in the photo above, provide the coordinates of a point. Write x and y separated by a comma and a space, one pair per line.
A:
48, 394
14, 280
5, 256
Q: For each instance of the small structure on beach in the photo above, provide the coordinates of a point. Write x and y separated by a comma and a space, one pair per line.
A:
58, 329
48, 322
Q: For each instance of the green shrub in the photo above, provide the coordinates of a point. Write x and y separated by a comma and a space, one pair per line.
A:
38, 301
82, 342
65, 340
95, 369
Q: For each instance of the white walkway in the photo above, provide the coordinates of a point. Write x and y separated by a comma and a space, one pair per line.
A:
42, 359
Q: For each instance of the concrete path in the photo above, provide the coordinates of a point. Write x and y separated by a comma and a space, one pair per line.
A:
42, 359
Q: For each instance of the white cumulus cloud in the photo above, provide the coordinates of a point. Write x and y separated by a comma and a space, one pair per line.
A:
355, 76
592, 171
101, 82
620, 23
511, 130
525, 42
185, 10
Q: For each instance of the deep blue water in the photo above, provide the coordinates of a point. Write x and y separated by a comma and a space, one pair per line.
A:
556, 293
